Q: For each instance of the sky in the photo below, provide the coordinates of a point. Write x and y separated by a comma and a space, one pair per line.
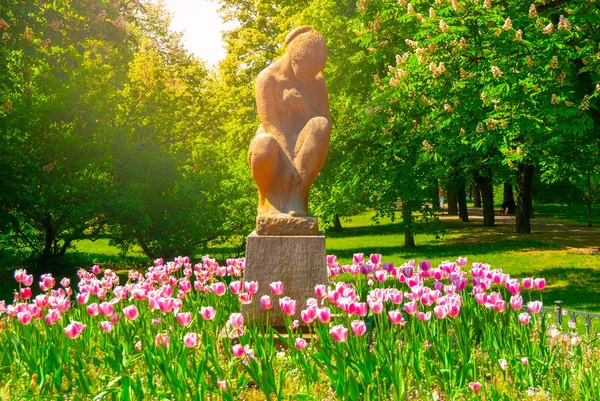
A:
202, 27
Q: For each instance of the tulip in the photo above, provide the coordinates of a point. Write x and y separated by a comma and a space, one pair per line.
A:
440, 311
425, 265
251, 287
130, 312
411, 307
208, 312
309, 314
52, 316
83, 298
500, 306
24, 317
361, 308
534, 306
516, 302
190, 340
277, 287
235, 287
513, 286
331, 259
222, 385
138, 346
525, 360
539, 283
324, 314
288, 306
358, 327
106, 326
237, 350
65, 282
380, 275
266, 302
25, 293
74, 329
28, 280
528, 283
95, 269
339, 333
300, 344
166, 304
245, 298
395, 316
524, 318
376, 305
503, 364
358, 258
424, 316
20, 275
107, 309
320, 290
462, 262
475, 386
236, 320
184, 318
93, 309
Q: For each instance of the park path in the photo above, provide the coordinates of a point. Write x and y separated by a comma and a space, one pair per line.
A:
565, 233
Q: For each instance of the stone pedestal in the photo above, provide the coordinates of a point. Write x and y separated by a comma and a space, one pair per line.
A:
298, 261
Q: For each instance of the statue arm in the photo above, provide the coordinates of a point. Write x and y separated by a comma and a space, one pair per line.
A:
268, 113
322, 106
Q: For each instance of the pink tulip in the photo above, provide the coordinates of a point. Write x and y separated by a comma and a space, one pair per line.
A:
52, 316
534, 306
95, 269
524, 318
361, 309
500, 306
320, 290
425, 265
107, 309
63, 304
331, 259
424, 316
20, 275
376, 305
166, 304
525, 360
190, 340
65, 282
358, 258
24, 317
218, 288
208, 312
236, 320
539, 283
93, 309
358, 327
380, 275
440, 311
339, 333
222, 385
74, 329
475, 386
288, 306
503, 364
251, 287
114, 319
184, 318
462, 262
185, 286
395, 316
48, 282
411, 307
130, 312
309, 314
527, 283
516, 302
324, 314
277, 287
83, 298
300, 344
266, 302
237, 350
375, 258
107, 326
235, 287
138, 346
513, 286
481, 298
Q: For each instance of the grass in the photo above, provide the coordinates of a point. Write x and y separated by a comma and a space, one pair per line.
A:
561, 249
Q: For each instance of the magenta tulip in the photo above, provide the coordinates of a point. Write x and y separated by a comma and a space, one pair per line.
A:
324, 314
208, 312
288, 306
266, 302
218, 288
130, 312
190, 340
358, 327
524, 318
277, 287
300, 344
395, 317
539, 283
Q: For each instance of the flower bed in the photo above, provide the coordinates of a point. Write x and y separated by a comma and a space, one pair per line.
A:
385, 332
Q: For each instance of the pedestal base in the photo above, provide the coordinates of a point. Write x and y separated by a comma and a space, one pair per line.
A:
284, 224
299, 262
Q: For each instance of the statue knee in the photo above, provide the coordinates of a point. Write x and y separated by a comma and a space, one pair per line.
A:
263, 147
322, 129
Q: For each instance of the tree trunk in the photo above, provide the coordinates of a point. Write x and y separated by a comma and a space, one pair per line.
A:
487, 194
407, 218
508, 193
452, 204
524, 203
140, 239
435, 199
337, 224
47, 252
589, 199
476, 195
463, 213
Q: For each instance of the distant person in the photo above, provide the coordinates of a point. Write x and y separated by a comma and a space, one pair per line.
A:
441, 195
509, 206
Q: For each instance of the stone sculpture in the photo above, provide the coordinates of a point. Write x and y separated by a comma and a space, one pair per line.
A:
292, 141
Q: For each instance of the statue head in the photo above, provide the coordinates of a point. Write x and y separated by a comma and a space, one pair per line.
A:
308, 52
